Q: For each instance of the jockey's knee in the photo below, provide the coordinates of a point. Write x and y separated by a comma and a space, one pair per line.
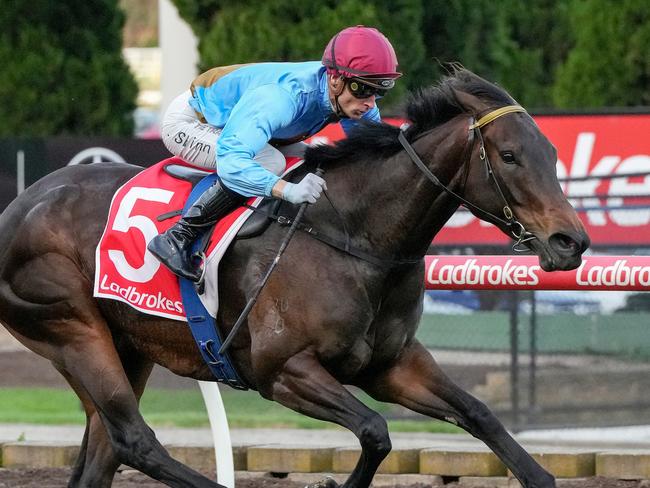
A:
186, 137
271, 159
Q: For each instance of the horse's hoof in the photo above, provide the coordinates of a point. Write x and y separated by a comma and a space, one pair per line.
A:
326, 483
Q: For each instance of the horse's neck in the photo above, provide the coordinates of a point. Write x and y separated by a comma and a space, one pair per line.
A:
391, 207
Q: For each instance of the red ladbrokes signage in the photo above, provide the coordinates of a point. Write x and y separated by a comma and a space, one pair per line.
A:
622, 273
588, 145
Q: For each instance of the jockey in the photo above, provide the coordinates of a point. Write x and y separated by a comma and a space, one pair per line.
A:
242, 120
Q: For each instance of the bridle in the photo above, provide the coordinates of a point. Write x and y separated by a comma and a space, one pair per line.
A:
516, 228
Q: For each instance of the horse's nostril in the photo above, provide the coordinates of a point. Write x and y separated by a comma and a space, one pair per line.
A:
563, 244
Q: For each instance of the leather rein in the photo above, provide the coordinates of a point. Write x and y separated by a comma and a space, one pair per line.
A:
517, 229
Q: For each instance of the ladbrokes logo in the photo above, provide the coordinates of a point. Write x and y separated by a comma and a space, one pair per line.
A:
470, 273
154, 302
617, 274
502, 272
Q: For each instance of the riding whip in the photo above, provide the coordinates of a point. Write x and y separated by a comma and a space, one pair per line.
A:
253, 299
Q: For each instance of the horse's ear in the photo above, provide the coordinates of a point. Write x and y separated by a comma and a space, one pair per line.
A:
469, 102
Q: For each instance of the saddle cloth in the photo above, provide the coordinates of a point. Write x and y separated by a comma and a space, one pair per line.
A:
126, 271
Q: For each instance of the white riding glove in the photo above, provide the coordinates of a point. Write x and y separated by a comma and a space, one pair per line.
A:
308, 190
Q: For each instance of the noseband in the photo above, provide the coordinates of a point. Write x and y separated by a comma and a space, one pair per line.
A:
516, 228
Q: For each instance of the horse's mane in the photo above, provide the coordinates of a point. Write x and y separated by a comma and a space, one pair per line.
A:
426, 109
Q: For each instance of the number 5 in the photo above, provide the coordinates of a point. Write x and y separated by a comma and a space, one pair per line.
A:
125, 221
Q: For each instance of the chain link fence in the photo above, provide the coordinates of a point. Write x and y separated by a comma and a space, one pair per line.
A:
540, 362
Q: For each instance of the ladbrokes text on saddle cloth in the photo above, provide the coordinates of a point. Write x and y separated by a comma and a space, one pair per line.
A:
126, 271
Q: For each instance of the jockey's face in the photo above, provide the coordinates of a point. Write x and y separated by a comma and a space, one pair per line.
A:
351, 106
355, 107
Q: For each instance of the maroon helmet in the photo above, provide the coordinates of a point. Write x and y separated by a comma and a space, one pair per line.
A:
361, 52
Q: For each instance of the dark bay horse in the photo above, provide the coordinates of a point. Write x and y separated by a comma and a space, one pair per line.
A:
326, 318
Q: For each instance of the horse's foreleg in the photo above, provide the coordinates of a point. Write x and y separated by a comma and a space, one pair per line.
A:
96, 464
305, 386
417, 382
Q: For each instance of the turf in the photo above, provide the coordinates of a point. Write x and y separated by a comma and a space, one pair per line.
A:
185, 408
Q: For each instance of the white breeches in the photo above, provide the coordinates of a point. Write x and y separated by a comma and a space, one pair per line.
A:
194, 141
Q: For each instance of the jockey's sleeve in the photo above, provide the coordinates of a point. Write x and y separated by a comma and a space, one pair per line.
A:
371, 115
252, 122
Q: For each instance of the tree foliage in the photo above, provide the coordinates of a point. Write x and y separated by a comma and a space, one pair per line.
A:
62, 69
609, 64
141, 26
515, 43
546, 53
285, 30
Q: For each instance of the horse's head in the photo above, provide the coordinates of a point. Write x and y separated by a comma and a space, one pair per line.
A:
511, 175
476, 144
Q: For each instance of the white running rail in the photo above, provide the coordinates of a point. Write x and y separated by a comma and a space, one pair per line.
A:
220, 433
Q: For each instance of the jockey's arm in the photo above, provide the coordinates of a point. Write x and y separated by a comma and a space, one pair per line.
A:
347, 124
252, 122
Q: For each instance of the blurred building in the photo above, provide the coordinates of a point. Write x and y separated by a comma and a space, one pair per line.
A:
162, 71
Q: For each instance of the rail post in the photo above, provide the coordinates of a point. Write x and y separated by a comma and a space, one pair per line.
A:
220, 433
514, 359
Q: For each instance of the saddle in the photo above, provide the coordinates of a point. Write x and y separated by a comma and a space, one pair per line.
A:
255, 225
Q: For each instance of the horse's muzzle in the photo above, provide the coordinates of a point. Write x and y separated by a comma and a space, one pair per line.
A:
563, 251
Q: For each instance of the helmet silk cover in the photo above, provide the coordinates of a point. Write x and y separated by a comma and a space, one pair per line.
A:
360, 52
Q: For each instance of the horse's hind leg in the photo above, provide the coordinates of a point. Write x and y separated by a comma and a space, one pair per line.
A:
417, 382
85, 350
96, 464
306, 387
92, 361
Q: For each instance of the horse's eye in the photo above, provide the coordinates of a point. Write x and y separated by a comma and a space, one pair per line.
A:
508, 157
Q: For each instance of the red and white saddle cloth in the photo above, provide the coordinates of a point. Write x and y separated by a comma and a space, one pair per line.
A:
126, 271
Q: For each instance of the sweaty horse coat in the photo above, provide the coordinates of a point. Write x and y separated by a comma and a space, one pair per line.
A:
325, 319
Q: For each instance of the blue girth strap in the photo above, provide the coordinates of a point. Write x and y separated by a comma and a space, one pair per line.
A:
201, 323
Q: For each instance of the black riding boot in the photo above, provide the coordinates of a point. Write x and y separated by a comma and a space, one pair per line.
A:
173, 247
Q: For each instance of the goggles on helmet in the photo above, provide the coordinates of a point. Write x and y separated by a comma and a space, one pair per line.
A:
367, 88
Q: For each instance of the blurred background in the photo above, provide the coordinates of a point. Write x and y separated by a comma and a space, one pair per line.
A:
87, 81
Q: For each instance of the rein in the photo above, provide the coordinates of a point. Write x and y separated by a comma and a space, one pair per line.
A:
341, 245
517, 229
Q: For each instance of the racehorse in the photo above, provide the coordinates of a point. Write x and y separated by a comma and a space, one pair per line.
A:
328, 317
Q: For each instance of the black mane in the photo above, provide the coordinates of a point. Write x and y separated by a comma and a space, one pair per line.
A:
426, 109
